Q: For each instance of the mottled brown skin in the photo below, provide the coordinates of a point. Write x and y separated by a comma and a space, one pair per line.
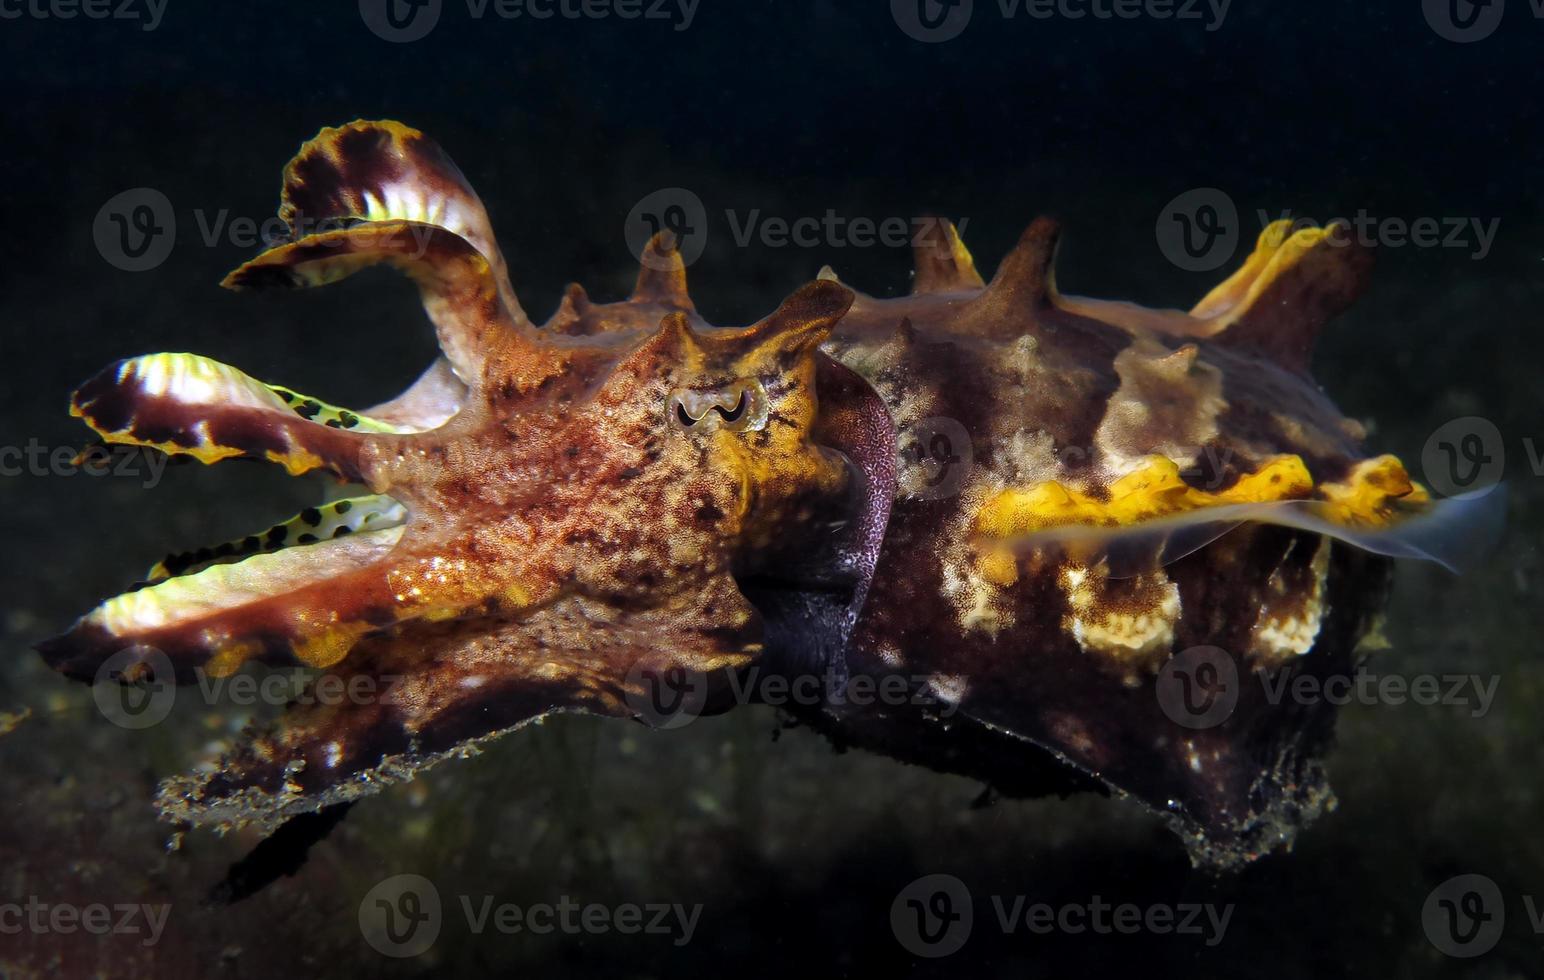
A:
626, 496
1260, 777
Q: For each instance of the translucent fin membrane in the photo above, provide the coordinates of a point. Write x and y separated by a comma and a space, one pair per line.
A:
186, 404
309, 602
1457, 533
323, 523
459, 290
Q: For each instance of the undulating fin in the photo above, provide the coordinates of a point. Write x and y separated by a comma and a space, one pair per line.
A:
662, 274
309, 603
386, 171
1155, 490
323, 522
454, 279
1458, 533
1024, 281
1151, 514
943, 263
448, 687
325, 753
1287, 290
185, 404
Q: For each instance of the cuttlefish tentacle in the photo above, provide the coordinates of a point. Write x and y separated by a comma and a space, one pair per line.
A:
635, 584
455, 280
402, 203
325, 522
308, 603
385, 171
185, 404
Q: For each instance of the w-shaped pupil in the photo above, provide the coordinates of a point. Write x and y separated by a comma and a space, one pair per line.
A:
733, 414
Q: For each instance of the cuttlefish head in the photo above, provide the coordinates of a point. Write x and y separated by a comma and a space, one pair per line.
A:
545, 510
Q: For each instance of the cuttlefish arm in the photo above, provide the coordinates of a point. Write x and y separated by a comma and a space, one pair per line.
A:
308, 603
554, 515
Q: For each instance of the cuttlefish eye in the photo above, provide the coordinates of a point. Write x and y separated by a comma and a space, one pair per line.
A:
737, 406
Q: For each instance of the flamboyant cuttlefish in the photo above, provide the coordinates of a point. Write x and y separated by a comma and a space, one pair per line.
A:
1005, 513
